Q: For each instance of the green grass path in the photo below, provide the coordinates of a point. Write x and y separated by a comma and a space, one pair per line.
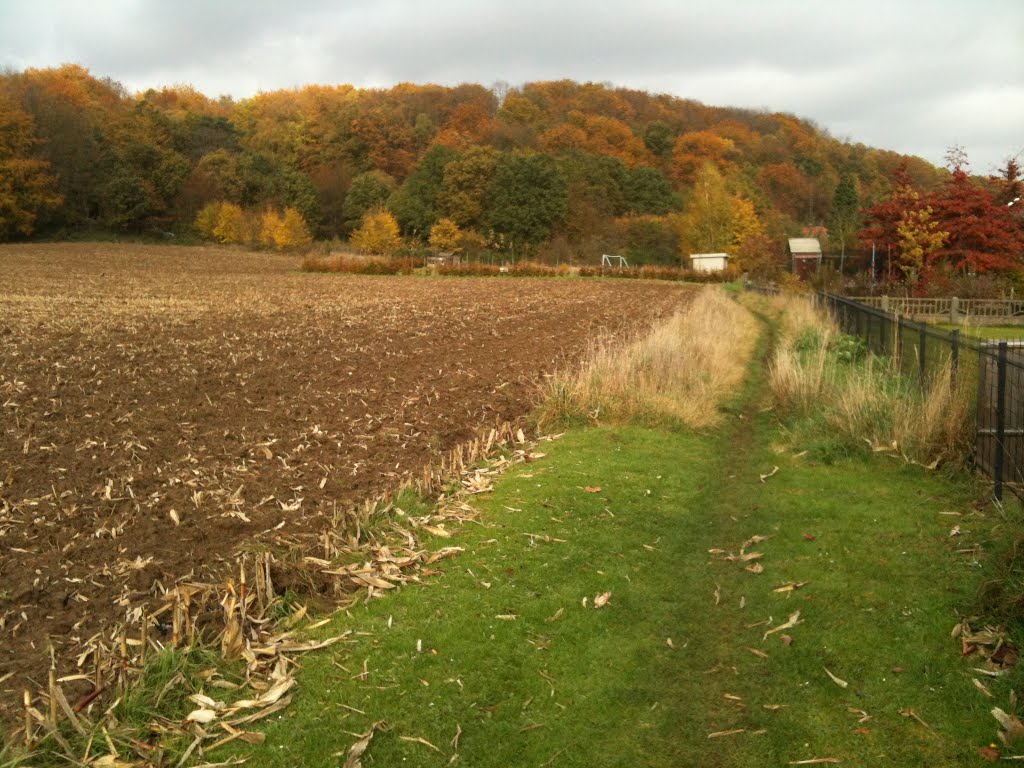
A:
500, 648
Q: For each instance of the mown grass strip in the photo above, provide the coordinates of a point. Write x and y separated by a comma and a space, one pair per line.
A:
501, 650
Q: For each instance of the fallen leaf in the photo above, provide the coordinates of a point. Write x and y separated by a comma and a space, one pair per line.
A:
600, 601
791, 586
555, 616
668, 642
593, 489
774, 707
419, 740
836, 680
817, 761
356, 750
981, 687
756, 652
989, 753
202, 716
787, 640
794, 619
755, 568
864, 716
810, 537
732, 732
770, 474
1012, 727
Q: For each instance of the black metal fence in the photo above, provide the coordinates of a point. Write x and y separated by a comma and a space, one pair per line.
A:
993, 371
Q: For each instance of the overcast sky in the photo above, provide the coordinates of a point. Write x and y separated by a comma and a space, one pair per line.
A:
913, 76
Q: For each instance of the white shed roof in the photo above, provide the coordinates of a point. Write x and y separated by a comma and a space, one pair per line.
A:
709, 255
804, 246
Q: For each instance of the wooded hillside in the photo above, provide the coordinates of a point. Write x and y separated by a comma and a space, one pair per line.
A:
563, 169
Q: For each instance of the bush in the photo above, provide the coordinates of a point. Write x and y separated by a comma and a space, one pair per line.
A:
356, 265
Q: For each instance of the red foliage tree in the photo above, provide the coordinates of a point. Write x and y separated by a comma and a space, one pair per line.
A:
983, 236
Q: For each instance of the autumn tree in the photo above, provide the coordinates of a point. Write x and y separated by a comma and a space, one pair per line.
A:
694, 150
919, 241
233, 225
708, 219
464, 185
983, 236
26, 184
445, 236
292, 231
378, 234
270, 226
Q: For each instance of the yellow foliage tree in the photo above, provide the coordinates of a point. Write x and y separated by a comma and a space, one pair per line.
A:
207, 219
746, 223
446, 236
377, 234
232, 226
920, 237
270, 228
292, 232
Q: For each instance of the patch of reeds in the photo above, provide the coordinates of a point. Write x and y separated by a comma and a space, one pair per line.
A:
818, 372
678, 374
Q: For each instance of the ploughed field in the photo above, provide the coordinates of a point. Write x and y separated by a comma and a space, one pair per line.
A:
160, 406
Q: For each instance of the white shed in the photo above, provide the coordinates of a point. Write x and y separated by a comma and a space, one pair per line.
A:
709, 262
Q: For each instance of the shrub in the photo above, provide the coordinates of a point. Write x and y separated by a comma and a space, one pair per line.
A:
359, 265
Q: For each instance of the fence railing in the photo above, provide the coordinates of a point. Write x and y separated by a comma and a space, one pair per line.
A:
992, 370
950, 310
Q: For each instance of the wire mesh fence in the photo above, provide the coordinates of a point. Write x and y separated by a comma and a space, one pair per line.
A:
993, 372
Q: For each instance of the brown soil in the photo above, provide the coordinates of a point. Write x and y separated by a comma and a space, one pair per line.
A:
239, 394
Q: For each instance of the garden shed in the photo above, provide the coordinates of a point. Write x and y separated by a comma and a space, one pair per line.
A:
709, 262
806, 253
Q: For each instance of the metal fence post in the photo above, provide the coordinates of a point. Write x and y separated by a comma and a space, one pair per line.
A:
997, 468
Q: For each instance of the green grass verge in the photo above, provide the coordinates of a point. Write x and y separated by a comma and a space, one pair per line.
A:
987, 331
603, 687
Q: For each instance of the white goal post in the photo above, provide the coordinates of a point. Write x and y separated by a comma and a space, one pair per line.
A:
616, 262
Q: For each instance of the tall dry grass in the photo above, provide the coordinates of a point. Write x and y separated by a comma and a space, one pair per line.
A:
677, 374
864, 398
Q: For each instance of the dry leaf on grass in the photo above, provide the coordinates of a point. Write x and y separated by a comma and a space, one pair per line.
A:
1012, 728
794, 619
817, 761
770, 474
420, 740
356, 751
600, 601
791, 586
732, 732
836, 680
593, 489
